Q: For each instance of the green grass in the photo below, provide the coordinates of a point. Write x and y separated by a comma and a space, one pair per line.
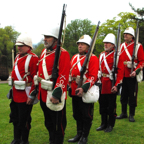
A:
124, 132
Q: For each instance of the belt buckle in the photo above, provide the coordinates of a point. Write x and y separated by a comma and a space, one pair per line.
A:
104, 75
125, 62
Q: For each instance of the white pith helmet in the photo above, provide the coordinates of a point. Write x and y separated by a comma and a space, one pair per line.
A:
53, 31
110, 38
24, 39
130, 30
85, 39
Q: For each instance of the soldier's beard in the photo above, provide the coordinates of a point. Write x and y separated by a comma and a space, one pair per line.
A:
48, 45
108, 49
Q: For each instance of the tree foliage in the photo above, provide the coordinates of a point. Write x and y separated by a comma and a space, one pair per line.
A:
74, 31
139, 17
111, 26
7, 39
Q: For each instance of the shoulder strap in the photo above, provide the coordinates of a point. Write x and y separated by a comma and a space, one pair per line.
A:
27, 63
75, 64
137, 48
106, 64
46, 75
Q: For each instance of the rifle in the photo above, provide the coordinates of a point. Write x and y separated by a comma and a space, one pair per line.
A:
57, 52
88, 55
115, 56
135, 45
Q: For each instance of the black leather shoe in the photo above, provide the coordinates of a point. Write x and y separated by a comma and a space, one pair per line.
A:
131, 118
102, 127
109, 129
121, 116
83, 140
24, 142
75, 139
16, 141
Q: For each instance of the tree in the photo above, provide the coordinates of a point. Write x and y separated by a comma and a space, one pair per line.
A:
7, 38
111, 26
38, 48
140, 17
74, 31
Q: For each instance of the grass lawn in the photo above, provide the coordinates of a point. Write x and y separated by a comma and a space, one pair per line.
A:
124, 132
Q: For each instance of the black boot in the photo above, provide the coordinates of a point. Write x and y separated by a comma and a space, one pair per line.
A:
131, 118
101, 127
76, 138
17, 135
83, 140
132, 113
16, 141
24, 142
121, 116
124, 112
104, 123
109, 129
25, 135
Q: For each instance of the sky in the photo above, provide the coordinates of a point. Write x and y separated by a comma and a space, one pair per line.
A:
35, 16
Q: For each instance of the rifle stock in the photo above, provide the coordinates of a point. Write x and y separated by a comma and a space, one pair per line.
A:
57, 52
135, 44
115, 56
88, 55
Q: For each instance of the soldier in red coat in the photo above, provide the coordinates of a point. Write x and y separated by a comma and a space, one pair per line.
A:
130, 85
52, 100
82, 112
108, 94
23, 89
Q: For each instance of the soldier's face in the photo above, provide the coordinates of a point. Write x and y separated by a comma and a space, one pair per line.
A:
22, 49
82, 48
48, 41
108, 46
128, 37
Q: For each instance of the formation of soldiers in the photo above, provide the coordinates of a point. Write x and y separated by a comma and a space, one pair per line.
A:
31, 74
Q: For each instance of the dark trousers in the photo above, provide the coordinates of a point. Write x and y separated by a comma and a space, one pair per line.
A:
21, 119
83, 114
55, 122
108, 109
129, 94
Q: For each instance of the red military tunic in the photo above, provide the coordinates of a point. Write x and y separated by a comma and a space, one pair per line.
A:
106, 81
20, 96
139, 58
63, 73
90, 75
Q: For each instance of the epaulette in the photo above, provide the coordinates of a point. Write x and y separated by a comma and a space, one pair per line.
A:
102, 52
33, 54
63, 49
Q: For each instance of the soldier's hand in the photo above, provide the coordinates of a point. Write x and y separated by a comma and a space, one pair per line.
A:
54, 100
133, 74
29, 101
114, 89
79, 92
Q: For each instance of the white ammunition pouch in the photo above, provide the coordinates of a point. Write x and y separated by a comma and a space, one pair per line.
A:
70, 78
99, 74
46, 85
20, 85
78, 79
55, 107
10, 81
35, 80
139, 77
129, 64
92, 95
111, 76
